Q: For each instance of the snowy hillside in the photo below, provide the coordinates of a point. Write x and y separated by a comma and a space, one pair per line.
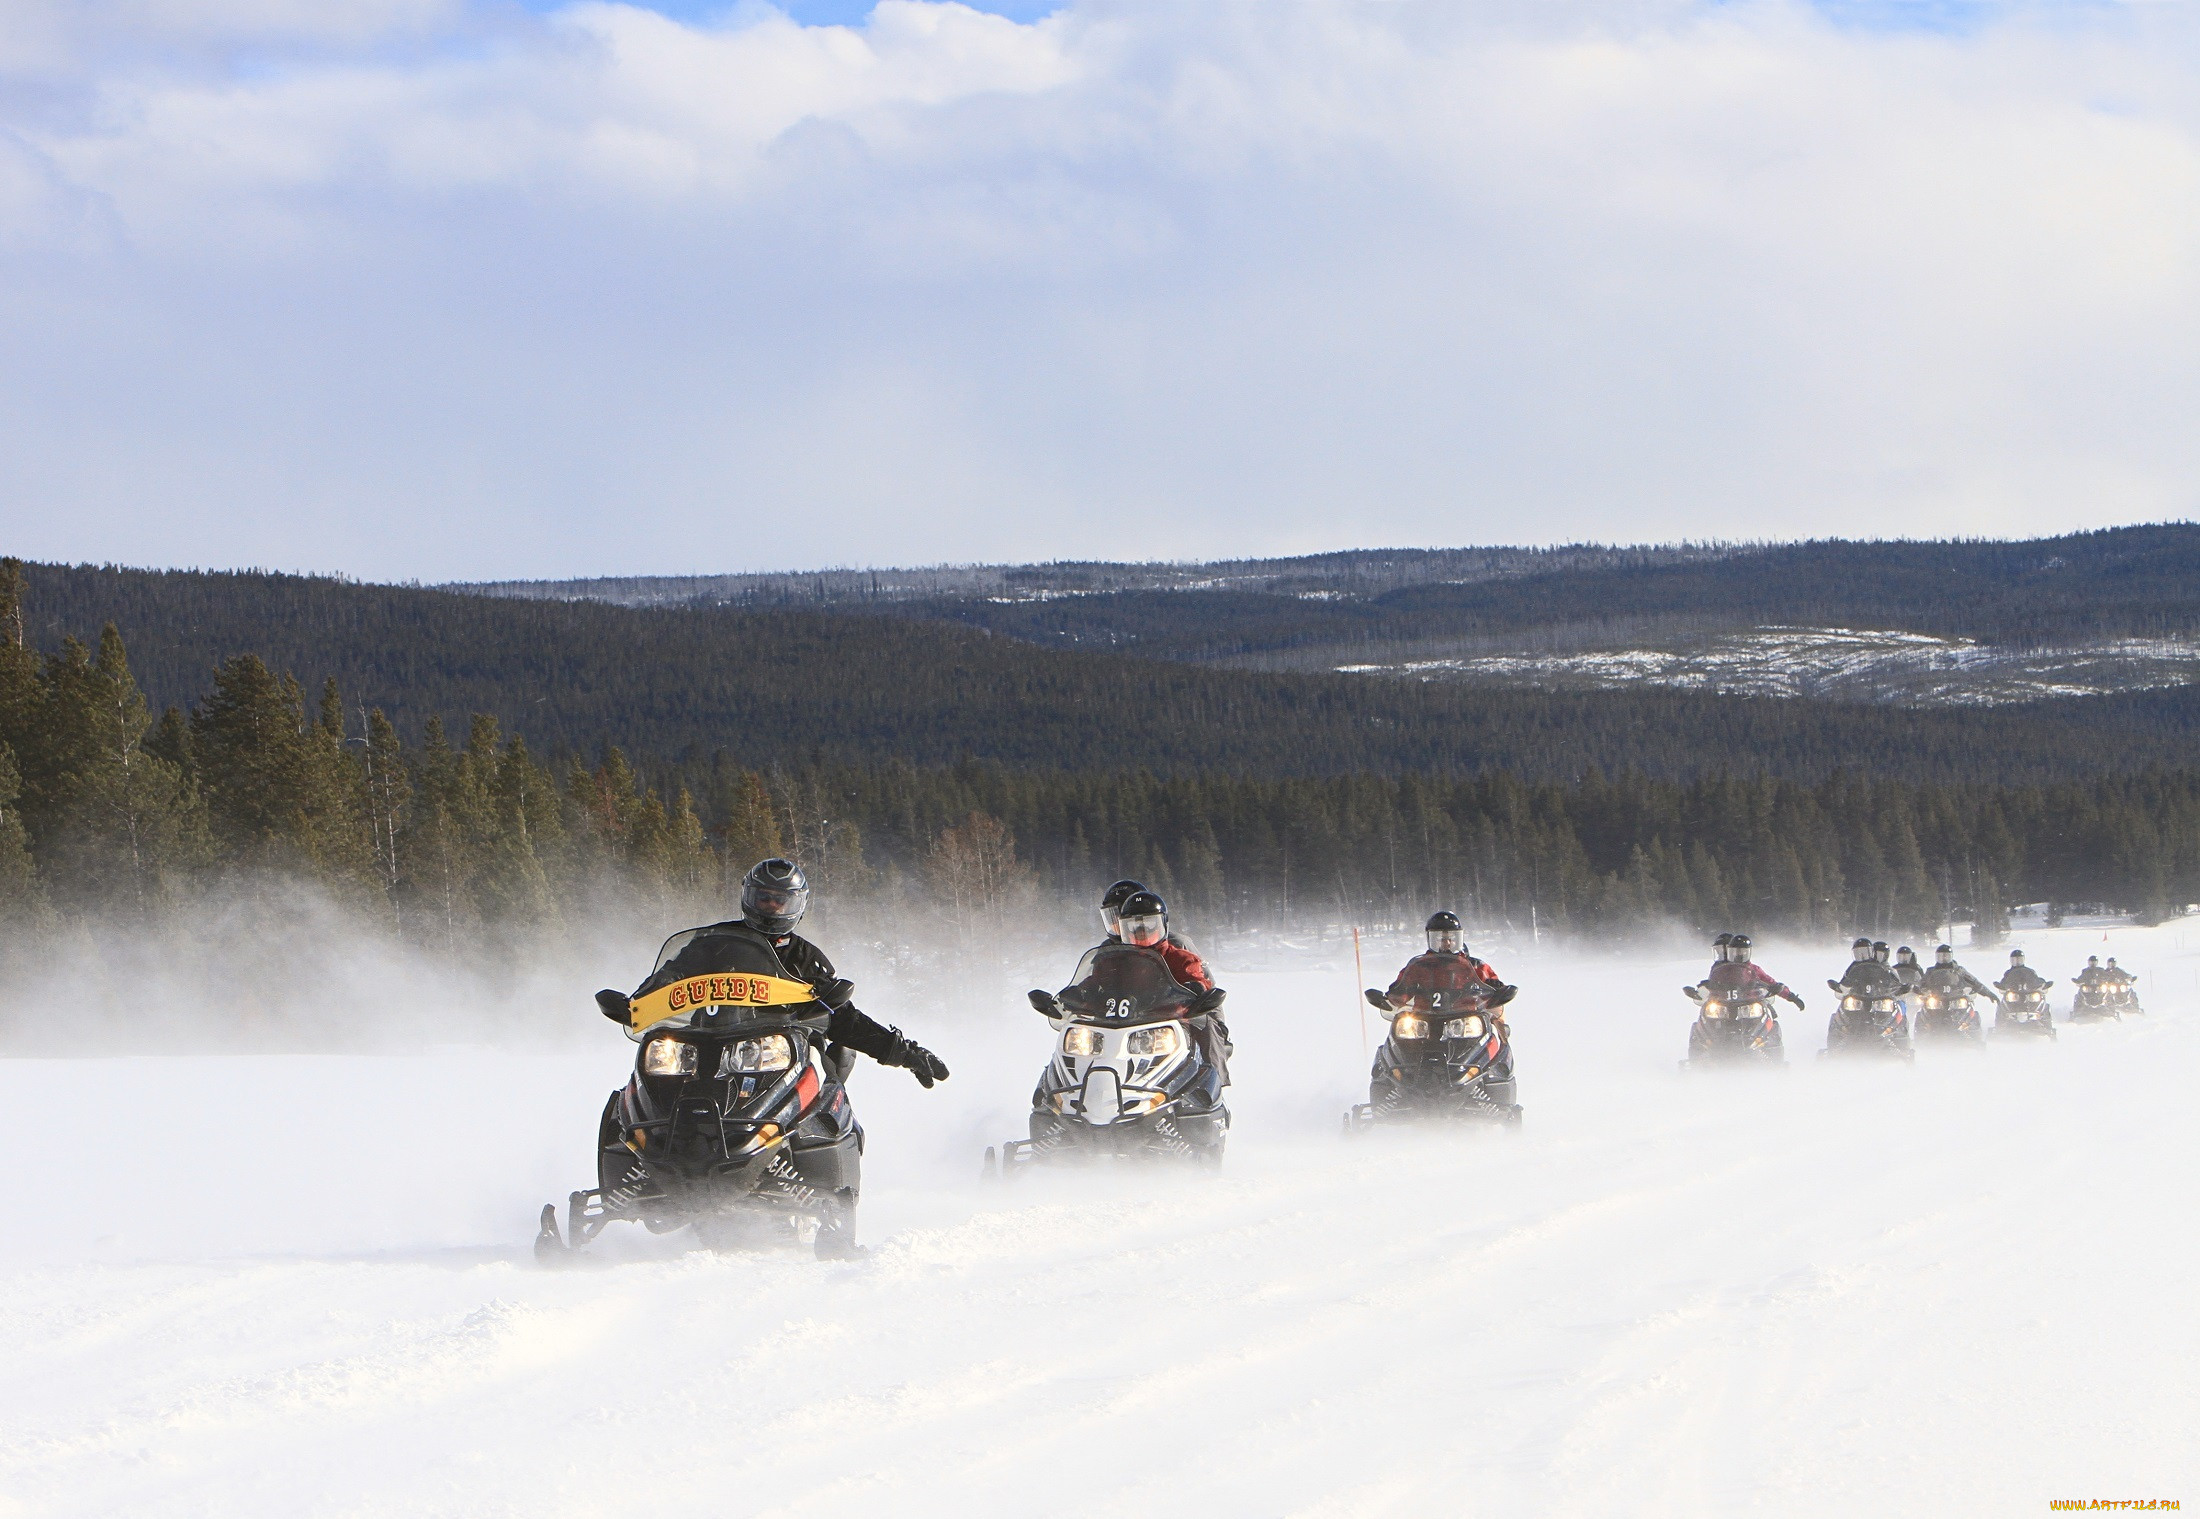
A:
301, 1285
1839, 664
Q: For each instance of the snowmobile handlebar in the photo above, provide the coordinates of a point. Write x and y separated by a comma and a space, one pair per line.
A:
612, 1005
1045, 1002
1378, 1001
1209, 1000
1692, 993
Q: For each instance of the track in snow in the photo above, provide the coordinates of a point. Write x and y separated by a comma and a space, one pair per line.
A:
301, 1286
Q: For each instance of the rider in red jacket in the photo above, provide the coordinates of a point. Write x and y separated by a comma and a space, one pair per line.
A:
1447, 967
1735, 971
1144, 923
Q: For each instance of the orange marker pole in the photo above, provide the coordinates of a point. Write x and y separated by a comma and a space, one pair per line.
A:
1359, 979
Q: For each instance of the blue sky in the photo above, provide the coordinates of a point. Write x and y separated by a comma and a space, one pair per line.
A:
1214, 279
826, 12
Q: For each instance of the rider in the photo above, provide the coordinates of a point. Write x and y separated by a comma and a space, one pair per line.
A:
1735, 971
1949, 979
1143, 923
2020, 977
2116, 975
2090, 977
1111, 915
1868, 974
774, 896
1447, 967
1906, 969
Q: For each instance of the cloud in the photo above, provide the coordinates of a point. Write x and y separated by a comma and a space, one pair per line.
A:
409, 289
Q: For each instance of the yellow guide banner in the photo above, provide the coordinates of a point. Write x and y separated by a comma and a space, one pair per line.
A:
715, 991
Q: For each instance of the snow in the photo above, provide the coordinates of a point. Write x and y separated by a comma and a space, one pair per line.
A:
1840, 663
300, 1285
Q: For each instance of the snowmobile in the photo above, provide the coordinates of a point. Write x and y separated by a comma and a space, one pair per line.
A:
2101, 1001
1873, 1023
1732, 1030
1440, 1060
2025, 1013
1131, 1076
736, 1120
1949, 1016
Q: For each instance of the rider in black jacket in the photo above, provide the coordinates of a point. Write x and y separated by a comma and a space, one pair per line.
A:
774, 897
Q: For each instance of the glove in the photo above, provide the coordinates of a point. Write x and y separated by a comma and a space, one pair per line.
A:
1798, 1001
915, 1059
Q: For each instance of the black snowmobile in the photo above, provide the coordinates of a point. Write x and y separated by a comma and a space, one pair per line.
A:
1446, 1057
1870, 1022
1131, 1075
2101, 1001
2025, 1014
736, 1120
1733, 1029
1949, 1016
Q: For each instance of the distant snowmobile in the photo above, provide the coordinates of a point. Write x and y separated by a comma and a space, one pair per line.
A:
1446, 1057
2025, 1013
1868, 1022
736, 1119
1738, 1027
1948, 1016
1130, 1076
2103, 1000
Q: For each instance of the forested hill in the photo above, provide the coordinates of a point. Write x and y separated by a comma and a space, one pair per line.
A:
771, 686
2119, 582
2116, 582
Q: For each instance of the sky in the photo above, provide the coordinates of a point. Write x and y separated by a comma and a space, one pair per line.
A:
462, 289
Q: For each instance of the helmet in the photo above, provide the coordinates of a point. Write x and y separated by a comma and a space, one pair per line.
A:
1445, 937
2016, 957
1737, 949
1718, 947
1906, 955
2092, 959
774, 896
1111, 902
1944, 955
1879, 950
2112, 961
1861, 949
1143, 919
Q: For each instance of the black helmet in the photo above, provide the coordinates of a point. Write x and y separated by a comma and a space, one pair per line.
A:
1738, 947
1944, 955
2112, 959
2092, 959
1879, 950
1445, 936
1143, 919
1861, 944
1906, 955
2016, 957
1111, 902
774, 896
1718, 947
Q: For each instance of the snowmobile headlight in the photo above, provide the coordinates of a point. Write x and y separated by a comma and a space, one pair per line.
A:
668, 1057
1080, 1040
1163, 1040
773, 1052
1409, 1026
1852, 1004
1883, 1004
1714, 1009
1469, 1027
1932, 1002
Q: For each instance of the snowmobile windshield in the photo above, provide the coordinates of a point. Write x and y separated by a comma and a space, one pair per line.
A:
728, 946
1123, 982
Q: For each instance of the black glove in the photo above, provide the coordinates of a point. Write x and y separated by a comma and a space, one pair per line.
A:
1792, 997
915, 1059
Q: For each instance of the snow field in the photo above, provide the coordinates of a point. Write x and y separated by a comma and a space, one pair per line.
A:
301, 1285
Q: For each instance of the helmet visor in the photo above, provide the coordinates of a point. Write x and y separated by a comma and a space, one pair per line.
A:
777, 901
1145, 931
1446, 941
